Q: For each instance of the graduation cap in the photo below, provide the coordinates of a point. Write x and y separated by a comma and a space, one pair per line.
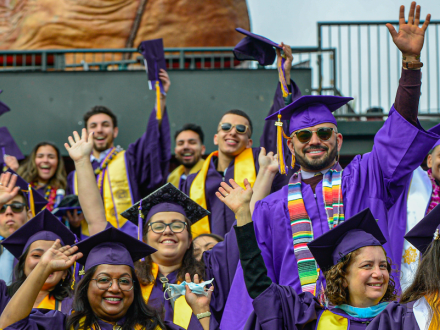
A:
112, 247
427, 230
165, 199
44, 227
306, 111
8, 145
68, 203
154, 59
359, 231
3, 107
35, 201
256, 48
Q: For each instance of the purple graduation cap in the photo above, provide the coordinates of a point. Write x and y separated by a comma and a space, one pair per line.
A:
256, 48
112, 247
69, 203
35, 201
154, 59
359, 231
306, 111
3, 107
425, 231
165, 199
44, 227
8, 145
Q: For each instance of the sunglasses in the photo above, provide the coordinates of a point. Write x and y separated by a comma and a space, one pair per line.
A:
304, 135
241, 129
15, 207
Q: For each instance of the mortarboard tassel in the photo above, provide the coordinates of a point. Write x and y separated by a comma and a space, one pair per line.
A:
31, 200
140, 224
280, 146
282, 75
159, 109
73, 276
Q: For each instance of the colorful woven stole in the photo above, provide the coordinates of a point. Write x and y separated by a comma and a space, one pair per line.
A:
301, 225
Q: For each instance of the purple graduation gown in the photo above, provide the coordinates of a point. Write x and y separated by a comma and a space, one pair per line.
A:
395, 317
147, 163
280, 307
374, 180
221, 264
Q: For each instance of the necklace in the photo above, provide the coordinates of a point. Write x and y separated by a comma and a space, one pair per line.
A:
112, 154
50, 194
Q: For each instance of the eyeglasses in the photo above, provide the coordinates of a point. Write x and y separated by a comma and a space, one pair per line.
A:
160, 227
305, 135
241, 129
105, 282
15, 207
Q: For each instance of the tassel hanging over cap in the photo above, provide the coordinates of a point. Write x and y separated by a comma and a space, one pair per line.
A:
31, 200
159, 109
280, 146
140, 224
282, 75
436, 235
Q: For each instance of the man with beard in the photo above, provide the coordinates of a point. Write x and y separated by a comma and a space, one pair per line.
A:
125, 176
322, 194
189, 150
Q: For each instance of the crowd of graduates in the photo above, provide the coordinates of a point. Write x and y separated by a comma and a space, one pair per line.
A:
275, 237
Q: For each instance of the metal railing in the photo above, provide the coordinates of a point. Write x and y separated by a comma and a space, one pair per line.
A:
368, 65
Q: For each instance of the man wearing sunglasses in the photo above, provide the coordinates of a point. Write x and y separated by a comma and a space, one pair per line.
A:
322, 194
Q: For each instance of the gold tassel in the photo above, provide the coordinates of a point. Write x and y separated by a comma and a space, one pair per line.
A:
31, 200
280, 133
73, 276
159, 109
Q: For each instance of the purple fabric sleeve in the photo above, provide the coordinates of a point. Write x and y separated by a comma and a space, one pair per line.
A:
408, 95
4, 297
395, 317
41, 319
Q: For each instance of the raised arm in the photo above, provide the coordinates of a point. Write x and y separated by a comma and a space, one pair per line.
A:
166, 83
8, 190
88, 192
55, 259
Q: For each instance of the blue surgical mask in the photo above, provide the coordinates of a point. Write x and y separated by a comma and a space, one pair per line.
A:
177, 290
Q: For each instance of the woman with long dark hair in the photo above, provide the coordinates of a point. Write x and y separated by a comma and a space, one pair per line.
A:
164, 220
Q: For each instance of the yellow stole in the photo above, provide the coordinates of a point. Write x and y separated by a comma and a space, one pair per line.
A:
431, 300
328, 320
47, 303
81, 326
182, 312
175, 175
244, 168
116, 192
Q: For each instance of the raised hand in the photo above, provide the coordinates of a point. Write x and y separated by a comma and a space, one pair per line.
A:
60, 258
8, 190
410, 37
11, 162
198, 303
289, 59
234, 196
268, 161
80, 148
165, 79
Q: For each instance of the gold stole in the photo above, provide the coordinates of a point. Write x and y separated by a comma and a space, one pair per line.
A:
47, 303
244, 168
328, 320
81, 326
175, 175
116, 192
182, 312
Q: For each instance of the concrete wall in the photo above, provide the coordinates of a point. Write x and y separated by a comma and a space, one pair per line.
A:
50, 105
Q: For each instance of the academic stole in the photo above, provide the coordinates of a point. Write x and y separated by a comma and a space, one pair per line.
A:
328, 320
244, 168
174, 177
47, 303
182, 312
113, 183
301, 225
115, 327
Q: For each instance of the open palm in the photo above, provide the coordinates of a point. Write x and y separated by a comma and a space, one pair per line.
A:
60, 258
8, 190
198, 303
410, 37
269, 161
80, 147
234, 196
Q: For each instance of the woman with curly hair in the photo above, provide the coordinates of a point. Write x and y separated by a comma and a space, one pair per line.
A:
419, 306
351, 256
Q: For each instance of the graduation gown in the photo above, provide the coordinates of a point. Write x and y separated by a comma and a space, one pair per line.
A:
374, 180
146, 161
396, 317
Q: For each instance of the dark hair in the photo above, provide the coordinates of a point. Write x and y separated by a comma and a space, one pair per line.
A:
426, 282
337, 293
218, 238
61, 290
28, 171
242, 114
97, 109
137, 314
191, 127
189, 263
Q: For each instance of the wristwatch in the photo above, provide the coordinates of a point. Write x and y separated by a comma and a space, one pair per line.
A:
412, 64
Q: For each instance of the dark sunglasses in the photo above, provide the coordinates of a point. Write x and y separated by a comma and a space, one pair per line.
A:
15, 207
241, 129
304, 135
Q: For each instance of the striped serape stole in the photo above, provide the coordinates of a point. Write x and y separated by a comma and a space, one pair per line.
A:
301, 225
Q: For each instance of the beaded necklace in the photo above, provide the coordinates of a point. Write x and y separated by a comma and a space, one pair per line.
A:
112, 154
50, 194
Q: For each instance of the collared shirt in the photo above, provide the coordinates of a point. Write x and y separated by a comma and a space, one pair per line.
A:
101, 156
309, 175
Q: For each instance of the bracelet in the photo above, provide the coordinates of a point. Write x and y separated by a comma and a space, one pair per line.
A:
203, 315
